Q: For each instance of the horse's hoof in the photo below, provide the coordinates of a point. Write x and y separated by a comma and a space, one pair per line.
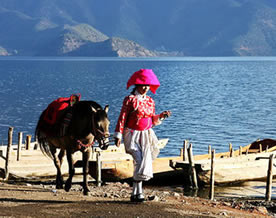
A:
86, 192
60, 186
67, 186
59, 183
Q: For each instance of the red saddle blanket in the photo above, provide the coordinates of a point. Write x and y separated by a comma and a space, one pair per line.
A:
54, 109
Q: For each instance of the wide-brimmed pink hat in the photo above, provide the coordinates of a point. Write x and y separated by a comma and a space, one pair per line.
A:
144, 77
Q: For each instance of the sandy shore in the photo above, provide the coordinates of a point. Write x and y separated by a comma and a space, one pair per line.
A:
112, 200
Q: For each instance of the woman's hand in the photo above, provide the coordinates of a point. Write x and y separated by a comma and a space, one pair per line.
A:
117, 142
165, 114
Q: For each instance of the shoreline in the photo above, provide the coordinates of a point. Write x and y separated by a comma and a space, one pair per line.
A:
112, 200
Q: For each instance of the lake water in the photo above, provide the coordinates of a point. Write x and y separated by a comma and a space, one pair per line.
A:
214, 101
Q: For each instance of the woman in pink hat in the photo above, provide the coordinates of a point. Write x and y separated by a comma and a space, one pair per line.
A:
135, 124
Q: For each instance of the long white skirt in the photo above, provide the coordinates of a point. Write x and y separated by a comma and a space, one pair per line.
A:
142, 145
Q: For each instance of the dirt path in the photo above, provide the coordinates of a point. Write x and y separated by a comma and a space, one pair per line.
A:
111, 200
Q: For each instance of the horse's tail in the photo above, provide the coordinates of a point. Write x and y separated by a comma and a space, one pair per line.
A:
42, 138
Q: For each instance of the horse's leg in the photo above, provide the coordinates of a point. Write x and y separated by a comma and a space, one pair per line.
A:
57, 162
85, 159
61, 157
68, 183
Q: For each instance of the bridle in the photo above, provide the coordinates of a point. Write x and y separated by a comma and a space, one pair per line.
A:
99, 135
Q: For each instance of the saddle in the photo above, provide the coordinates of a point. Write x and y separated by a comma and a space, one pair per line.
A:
58, 114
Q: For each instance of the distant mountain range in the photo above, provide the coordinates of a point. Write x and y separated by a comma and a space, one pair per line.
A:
123, 28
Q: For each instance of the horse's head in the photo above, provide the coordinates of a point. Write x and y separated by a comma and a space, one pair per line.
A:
100, 124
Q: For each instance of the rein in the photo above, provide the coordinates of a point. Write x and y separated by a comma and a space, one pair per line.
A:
98, 135
94, 130
81, 145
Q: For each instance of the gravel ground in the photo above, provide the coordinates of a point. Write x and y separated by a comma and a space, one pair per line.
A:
112, 200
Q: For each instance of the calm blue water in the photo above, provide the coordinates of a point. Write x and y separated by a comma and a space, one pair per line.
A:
214, 101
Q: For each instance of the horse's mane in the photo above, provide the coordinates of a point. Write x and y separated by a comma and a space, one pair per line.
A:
84, 104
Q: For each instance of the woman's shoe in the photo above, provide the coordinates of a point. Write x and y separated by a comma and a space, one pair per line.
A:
137, 198
133, 198
140, 198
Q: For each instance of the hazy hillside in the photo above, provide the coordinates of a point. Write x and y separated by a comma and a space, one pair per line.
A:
108, 28
113, 47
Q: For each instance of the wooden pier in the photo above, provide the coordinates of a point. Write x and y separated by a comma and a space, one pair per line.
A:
25, 160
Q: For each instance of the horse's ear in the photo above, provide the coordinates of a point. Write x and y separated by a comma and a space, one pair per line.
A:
106, 108
93, 109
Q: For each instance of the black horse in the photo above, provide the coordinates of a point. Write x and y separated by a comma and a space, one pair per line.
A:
88, 122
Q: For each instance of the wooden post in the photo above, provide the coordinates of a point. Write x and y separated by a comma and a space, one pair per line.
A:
93, 152
20, 136
8, 153
28, 142
266, 150
193, 176
99, 169
212, 176
240, 150
210, 151
269, 178
185, 149
230, 150
181, 153
260, 146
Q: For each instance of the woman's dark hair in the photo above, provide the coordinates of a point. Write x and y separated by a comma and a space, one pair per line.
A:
133, 90
136, 85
